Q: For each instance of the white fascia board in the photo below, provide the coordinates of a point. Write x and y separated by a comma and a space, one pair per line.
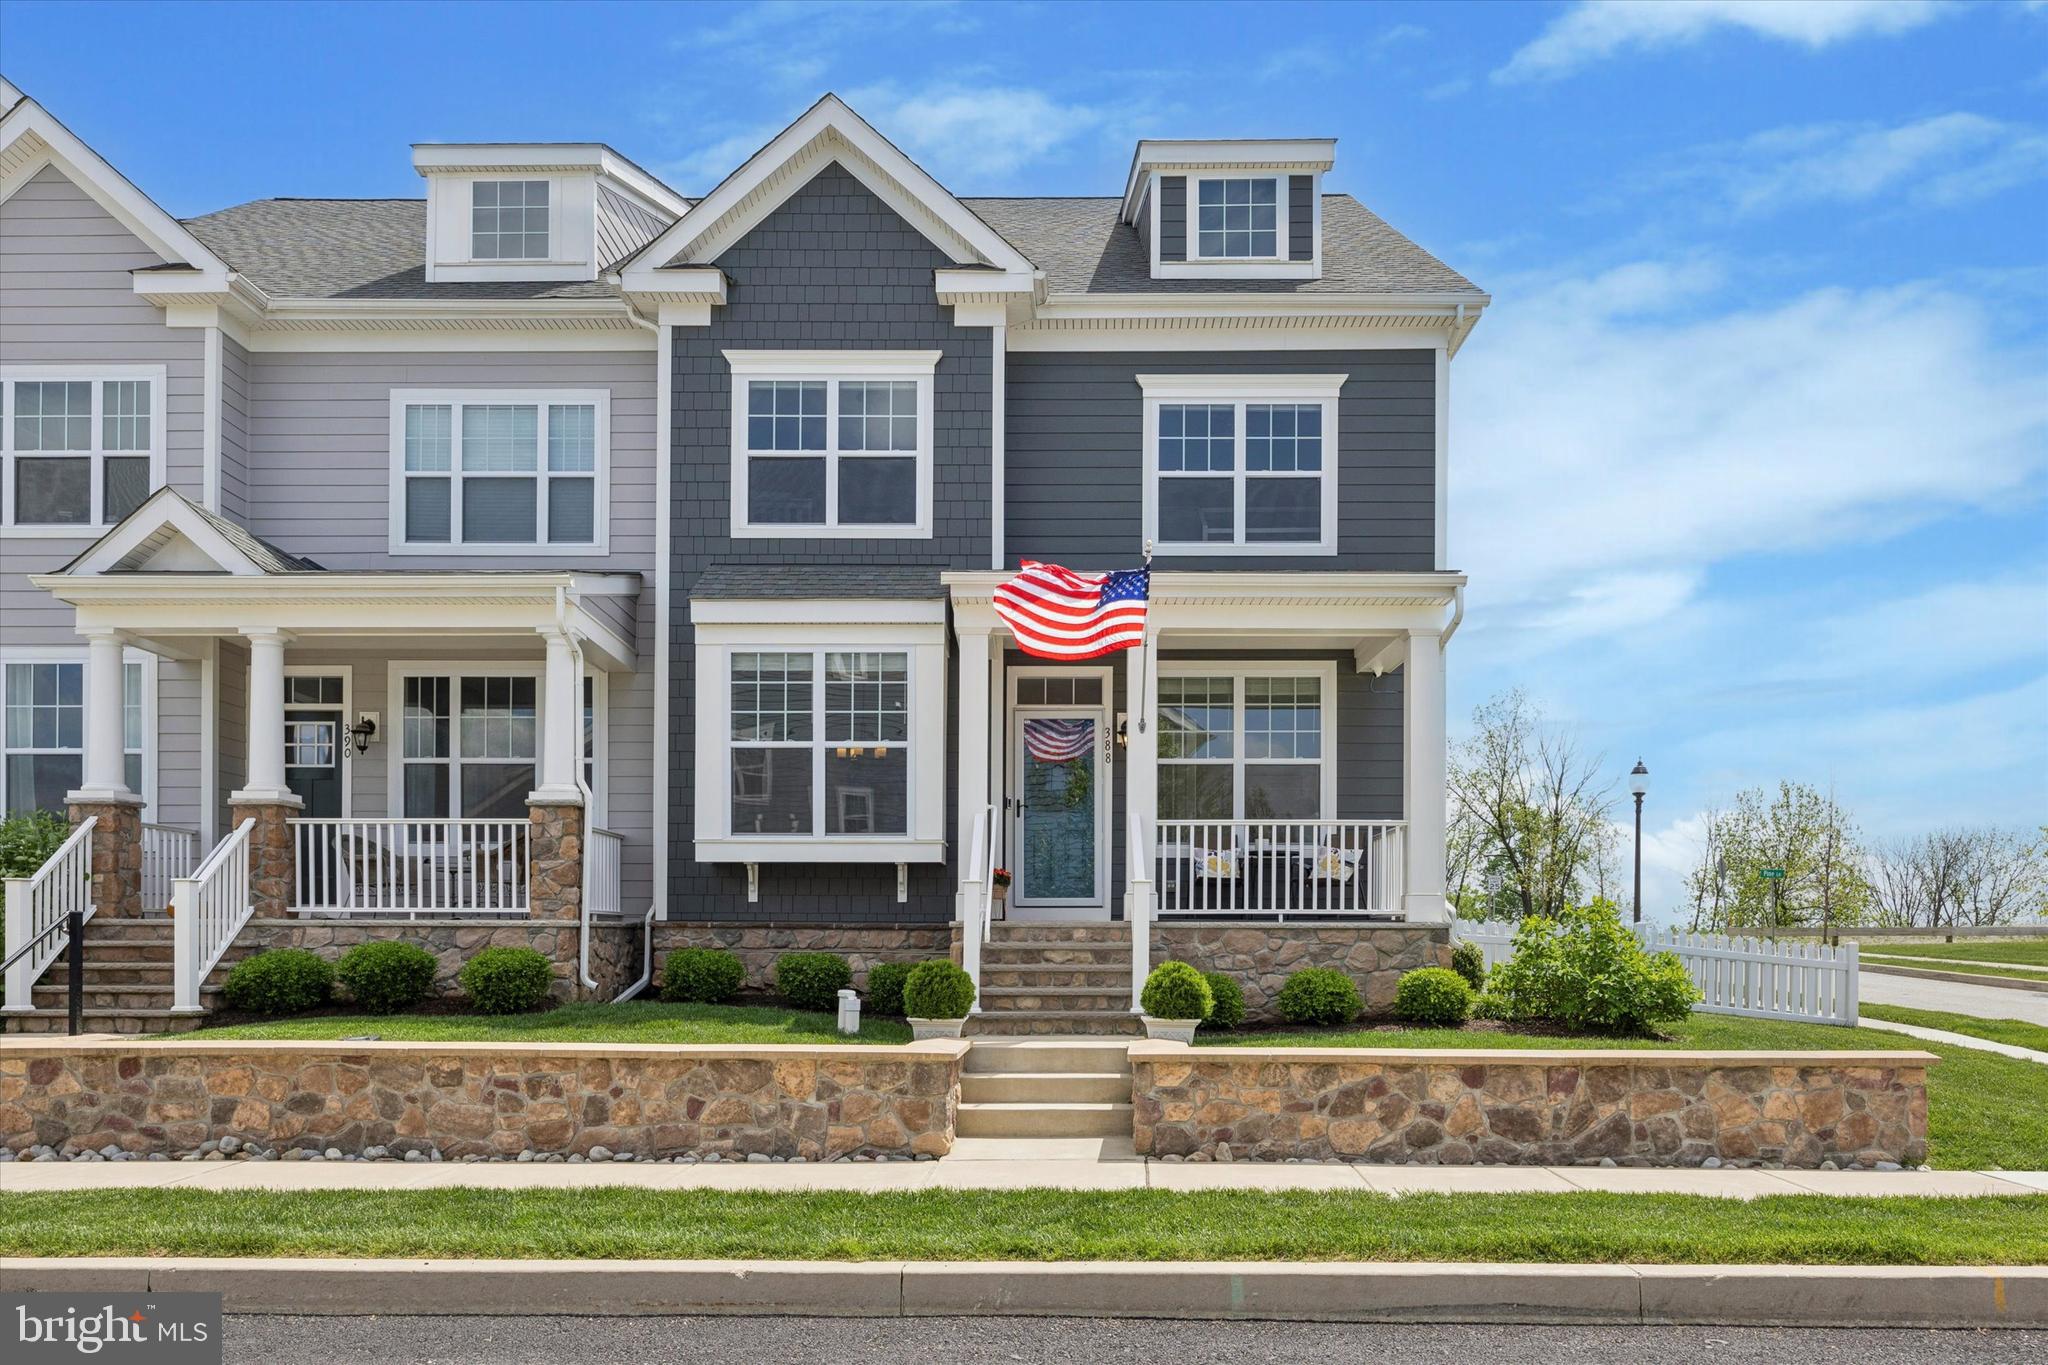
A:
971, 283
461, 158
107, 187
829, 114
319, 585
673, 284
1168, 305
1286, 154
162, 510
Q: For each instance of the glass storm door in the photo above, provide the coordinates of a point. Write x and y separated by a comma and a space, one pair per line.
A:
1060, 808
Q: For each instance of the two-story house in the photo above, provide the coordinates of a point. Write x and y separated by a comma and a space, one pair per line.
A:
557, 551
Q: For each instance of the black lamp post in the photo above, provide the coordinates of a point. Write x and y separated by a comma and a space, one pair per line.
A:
1639, 787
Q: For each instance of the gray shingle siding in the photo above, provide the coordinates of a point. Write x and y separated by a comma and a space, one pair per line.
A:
832, 268
1173, 218
1301, 218
1143, 223
1073, 484
234, 429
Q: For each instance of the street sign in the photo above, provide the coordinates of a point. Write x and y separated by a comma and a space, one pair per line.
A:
1772, 874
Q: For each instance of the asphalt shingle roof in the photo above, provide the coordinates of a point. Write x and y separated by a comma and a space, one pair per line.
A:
852, 582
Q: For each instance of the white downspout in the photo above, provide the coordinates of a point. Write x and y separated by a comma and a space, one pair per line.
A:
583, 789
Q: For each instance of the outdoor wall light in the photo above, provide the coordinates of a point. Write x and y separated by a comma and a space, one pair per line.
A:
363, 731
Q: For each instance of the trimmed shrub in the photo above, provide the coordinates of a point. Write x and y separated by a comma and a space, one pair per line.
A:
1228, 1011
885, 988
1434, 997
1319, 995
937, 990
703, 975
1586, 971
280, 981
1469, 961
507, 980
812, 981
387, 976
1175, 990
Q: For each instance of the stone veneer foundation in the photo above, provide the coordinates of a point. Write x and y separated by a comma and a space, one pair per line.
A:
1533, 1108
483, 1098
116, 854
1263, 956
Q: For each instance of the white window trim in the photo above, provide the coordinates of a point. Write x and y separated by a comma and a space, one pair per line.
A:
392, 738
401, 399
156, 376
63, 654
554, 219
831, 368
1196, 267
1325, 671
1301, 389
346, 673
925, 801
1017, 712
1281, 196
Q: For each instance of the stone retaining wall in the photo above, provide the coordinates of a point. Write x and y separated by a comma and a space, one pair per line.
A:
758, 945
615, 948
1532, 1108
1263, 956
489, 1099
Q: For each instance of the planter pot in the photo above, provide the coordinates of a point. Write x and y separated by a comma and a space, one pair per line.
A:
921, 1029
1170, 1030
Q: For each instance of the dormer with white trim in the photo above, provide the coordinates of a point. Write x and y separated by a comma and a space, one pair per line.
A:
1235, 209
536, 211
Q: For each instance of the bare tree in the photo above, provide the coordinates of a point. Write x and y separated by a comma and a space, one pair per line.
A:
1963, 876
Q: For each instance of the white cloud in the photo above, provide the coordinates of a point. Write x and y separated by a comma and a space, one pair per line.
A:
1939, 162
1615, 441
1597, 29
974, 136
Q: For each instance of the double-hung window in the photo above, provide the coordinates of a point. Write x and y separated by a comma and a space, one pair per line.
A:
820, 742
1241, 464
508, 220
1249, 742
469, 740
1239, 218
499, 471
79, 449
43, 729
832, 443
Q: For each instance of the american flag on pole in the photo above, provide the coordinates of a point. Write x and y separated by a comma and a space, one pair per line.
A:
1056, 613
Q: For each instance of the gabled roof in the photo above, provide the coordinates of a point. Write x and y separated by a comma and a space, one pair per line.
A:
171, 533
828, 131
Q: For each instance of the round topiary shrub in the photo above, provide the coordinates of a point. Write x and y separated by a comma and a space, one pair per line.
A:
938, 990
1228, 1011
507, 980
1434, 997
1175, 990
885, 988
702, 975
280, 981
1469, 961
1319, 995
812, 981
387, 976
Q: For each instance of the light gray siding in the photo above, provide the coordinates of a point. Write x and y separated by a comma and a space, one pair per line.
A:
178, 752
234, 430
1075, 463
623, 225
67, 297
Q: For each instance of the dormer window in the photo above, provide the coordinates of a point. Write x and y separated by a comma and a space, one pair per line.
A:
509, 220
1238, 219
1235, 210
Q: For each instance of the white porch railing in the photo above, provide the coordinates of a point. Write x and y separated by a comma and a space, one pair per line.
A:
208, 909
1756, 978
36, 908
605, 851
168, 853
1280, 868
432, 868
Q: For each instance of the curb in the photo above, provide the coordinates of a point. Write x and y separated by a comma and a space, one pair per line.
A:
1756, 1296
2004, 983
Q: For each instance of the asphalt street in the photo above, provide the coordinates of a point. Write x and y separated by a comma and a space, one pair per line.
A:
1956, 997
1077, 1341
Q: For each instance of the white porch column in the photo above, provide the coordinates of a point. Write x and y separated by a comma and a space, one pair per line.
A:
264, 780
561, 749
105, 774
1422, 776
977, 826
1141, 800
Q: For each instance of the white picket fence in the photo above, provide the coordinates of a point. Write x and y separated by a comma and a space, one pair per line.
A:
1758, 978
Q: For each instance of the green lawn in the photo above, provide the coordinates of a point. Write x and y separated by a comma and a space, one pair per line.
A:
1945, 965
2021, 952
636, 1021
2017, 1032
1031, 1225
1984, 1111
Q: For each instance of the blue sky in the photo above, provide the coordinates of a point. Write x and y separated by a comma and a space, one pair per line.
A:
1750, 458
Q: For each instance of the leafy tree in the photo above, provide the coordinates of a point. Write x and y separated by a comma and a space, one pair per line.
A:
1528, 814
1803, 832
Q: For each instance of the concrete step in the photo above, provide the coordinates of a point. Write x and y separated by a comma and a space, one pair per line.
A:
101, 1021
1066, 1023
1044, 1120
1046, 1087
1090, 998
1095, 975
1023, 931
1076, 955
1079, 1056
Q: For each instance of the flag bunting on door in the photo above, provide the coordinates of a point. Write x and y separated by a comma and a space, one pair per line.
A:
1058, 741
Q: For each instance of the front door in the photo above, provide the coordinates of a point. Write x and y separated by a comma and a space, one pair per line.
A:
1061, 808
316, 745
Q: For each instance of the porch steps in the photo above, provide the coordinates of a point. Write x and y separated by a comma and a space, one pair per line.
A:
127, 980
1066, 1088
1047, 979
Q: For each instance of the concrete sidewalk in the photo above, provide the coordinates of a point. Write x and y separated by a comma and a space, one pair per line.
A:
1936, 1035
1006, 1164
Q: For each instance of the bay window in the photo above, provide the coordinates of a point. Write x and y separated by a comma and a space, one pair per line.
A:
1246, 743
78, 449
496, 471
1243, 464
820, 742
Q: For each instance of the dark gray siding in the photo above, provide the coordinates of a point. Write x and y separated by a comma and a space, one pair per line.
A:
1144, 223
832, 268
1301, 218
1173, 217
1074, 464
